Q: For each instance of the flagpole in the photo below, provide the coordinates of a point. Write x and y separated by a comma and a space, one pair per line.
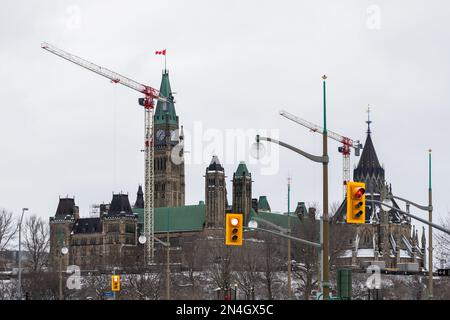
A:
165, 64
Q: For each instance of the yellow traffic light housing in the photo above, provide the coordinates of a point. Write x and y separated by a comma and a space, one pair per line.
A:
115, 283
234, 225
356, 202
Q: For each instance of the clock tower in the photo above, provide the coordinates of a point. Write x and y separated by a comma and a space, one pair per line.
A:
169, 157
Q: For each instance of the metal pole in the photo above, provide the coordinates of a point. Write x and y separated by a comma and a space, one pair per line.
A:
20, 258
114, 293
20, 254
326, 225
60, 277
430, 231
168, 260
289, 242
424, 221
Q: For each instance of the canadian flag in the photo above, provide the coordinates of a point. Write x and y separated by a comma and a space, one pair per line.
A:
163, 52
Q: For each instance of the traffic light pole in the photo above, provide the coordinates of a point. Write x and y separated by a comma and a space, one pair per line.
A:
431, 224
324, 160
283, 235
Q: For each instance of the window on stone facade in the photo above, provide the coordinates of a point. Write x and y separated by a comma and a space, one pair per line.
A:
113, 227
129, 228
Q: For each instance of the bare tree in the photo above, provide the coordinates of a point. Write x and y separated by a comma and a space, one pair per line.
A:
220, 264
143, 286
271, 263
247, 276
7, 289
37, 241
442, 243
40, 285
95, 284
7, 228
306, 257
193, 262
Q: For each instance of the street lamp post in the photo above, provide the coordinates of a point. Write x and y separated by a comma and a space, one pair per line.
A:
326, 224
324, 160
63, 252
430, 231
20, 254
289, 242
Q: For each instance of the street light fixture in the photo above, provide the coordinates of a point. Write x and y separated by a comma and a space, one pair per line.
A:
20, 253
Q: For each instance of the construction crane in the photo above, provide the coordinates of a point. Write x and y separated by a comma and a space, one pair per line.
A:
150, 94
347, 143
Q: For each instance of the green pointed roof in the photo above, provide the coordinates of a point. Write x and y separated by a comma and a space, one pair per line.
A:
263, 204
241, 170
184, 218
165, 110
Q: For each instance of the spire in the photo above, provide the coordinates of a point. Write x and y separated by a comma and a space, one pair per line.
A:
241, 170
263, 204
368, 120
215, 165
165, 111
368, 163
140, 198
424, 241
369, 169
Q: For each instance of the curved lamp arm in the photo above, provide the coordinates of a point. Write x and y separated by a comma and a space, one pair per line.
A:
311, 157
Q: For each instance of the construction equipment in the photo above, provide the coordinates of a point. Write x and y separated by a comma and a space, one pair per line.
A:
150, 94
347, 143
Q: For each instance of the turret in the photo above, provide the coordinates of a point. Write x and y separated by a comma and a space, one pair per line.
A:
215, 194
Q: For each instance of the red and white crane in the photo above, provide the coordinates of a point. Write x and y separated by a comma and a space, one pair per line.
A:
347, 143
150, 94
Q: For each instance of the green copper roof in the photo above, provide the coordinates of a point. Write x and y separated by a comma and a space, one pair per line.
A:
165, 110
241, 170
279, 219
185, 218
263, 204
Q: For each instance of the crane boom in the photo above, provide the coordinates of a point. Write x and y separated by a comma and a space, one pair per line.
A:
319, 129
148, 103
346, 143
111, 75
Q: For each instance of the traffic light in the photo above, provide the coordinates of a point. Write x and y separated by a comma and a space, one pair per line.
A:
234, 225
356, 202
115, 282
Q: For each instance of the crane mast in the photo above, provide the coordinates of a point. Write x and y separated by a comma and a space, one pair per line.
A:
347, 143
150, 94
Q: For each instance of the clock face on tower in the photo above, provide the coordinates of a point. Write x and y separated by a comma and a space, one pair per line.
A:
160, 135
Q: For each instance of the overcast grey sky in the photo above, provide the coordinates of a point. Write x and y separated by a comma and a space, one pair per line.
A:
233, 65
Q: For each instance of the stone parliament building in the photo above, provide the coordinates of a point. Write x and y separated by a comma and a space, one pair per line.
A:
111, 238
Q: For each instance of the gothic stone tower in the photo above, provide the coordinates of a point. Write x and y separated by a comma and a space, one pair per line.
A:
215, 194
60, 231
242, 190
169, 175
